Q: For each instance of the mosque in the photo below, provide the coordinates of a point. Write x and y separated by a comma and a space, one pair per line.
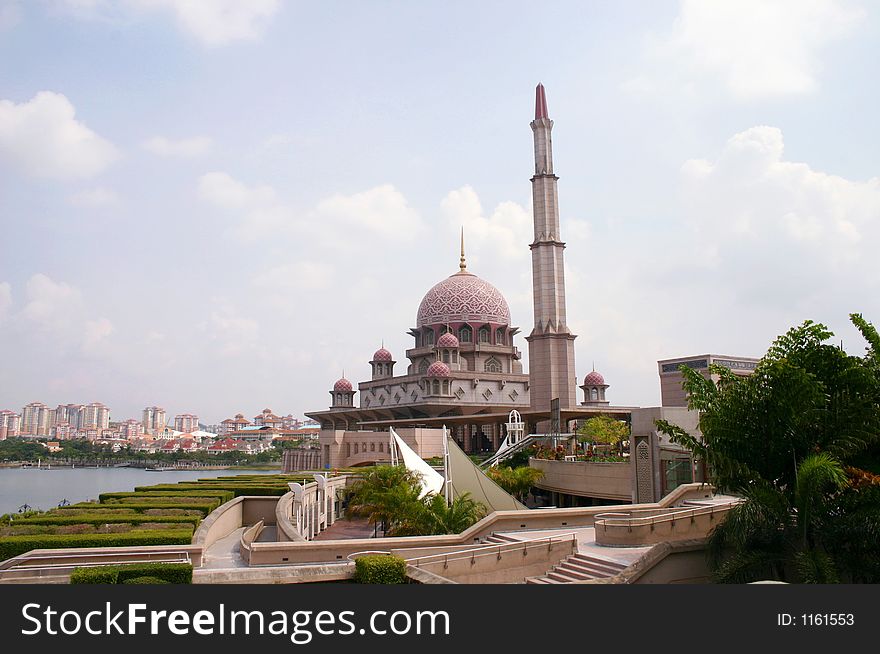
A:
464, 368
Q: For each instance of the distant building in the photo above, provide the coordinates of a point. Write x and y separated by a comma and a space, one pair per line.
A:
186, 422
268, 419
154, 419
10, 424
95, 416
131, 429
35, 419
671, 392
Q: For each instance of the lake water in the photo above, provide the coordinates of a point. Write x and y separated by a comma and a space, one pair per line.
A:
44, 489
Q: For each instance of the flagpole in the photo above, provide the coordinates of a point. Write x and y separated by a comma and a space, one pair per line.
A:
446, 465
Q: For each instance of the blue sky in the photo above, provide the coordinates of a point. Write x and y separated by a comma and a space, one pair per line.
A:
219, 206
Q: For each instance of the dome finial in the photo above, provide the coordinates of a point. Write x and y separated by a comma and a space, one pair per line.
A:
462, 266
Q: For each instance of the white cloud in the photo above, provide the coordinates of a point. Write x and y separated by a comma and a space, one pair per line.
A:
232, 332
5, 299
297, 276
43, 138
94, 198
57, 310
182, 148
340, 221
10, 14
211, 22
753, 48
504, 231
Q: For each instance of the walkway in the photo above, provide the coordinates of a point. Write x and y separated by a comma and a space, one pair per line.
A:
346, 528
586, 540
224, 552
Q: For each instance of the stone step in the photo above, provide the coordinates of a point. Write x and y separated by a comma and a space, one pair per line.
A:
563, 578
596, 572
500, 539
574, 570
612, 566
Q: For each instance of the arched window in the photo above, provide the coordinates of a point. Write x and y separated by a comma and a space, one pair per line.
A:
445, 356
381, 447
372, 447
429, 337
454, 356
492, 365
418, 340
484, 335
464, 334
594, 394
355, 448
499, 337
423, 366
445, 387
436, 387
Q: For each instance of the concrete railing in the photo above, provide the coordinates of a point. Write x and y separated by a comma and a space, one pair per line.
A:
534, 519
248, 536
302, 515
585, 478
649, 527
498, 563
236, 513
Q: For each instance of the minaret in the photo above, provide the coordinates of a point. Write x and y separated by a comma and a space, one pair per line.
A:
551, 344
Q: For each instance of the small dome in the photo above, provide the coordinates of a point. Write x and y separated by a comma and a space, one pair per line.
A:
438, 369
447, 340
594, 379
342, 385
382, 355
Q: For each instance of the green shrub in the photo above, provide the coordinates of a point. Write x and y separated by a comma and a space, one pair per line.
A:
145, 580
109, 518
220, 494
102, 574
134, 573
14, 545
380, 569
204, 506
172, 573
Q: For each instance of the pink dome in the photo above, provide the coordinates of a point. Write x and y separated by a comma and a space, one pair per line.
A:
342, 385
594, 379
382, 355
463, 297
438, 369
447, 340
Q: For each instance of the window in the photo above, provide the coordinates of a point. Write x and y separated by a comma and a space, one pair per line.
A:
423, 367
484, 335
464, 334
445, 387
372, 447
381, 447
492, 365
499, 337
454, 356
355, 448
418, 340
446, 356
594, 394
429, 337
436, 387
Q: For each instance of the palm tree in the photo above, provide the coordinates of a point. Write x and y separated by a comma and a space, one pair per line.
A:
433, 516
384, 494
778, 532
516, 481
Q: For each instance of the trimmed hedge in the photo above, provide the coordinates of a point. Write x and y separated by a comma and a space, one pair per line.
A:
222, 495
204, 507
134, 573
145, 580
102, 574
379, 569
236, 489
14, 545
110, 518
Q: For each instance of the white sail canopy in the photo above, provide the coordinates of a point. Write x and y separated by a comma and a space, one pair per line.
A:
432, 481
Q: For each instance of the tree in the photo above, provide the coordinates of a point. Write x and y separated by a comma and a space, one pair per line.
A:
433, 516
385, 495
604, 429
516, 481
783, 438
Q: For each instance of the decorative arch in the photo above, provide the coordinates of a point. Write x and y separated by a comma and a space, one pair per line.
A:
484, 334
465, 334
492, 365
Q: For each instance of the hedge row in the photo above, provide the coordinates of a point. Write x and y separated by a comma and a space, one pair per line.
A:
379, 569
222, 495
205, 508
134, 573
101, 519
236, 490
14, 545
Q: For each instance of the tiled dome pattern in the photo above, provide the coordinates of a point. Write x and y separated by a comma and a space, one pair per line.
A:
382, 355
437, 369
463, 297
342, 385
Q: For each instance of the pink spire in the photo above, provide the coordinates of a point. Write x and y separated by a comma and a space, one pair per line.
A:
540, 103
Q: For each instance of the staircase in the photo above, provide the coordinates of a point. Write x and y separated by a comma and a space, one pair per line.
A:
499, 539
578, 567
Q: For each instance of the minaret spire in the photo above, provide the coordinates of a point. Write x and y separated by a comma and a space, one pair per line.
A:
462, 265
551, 344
